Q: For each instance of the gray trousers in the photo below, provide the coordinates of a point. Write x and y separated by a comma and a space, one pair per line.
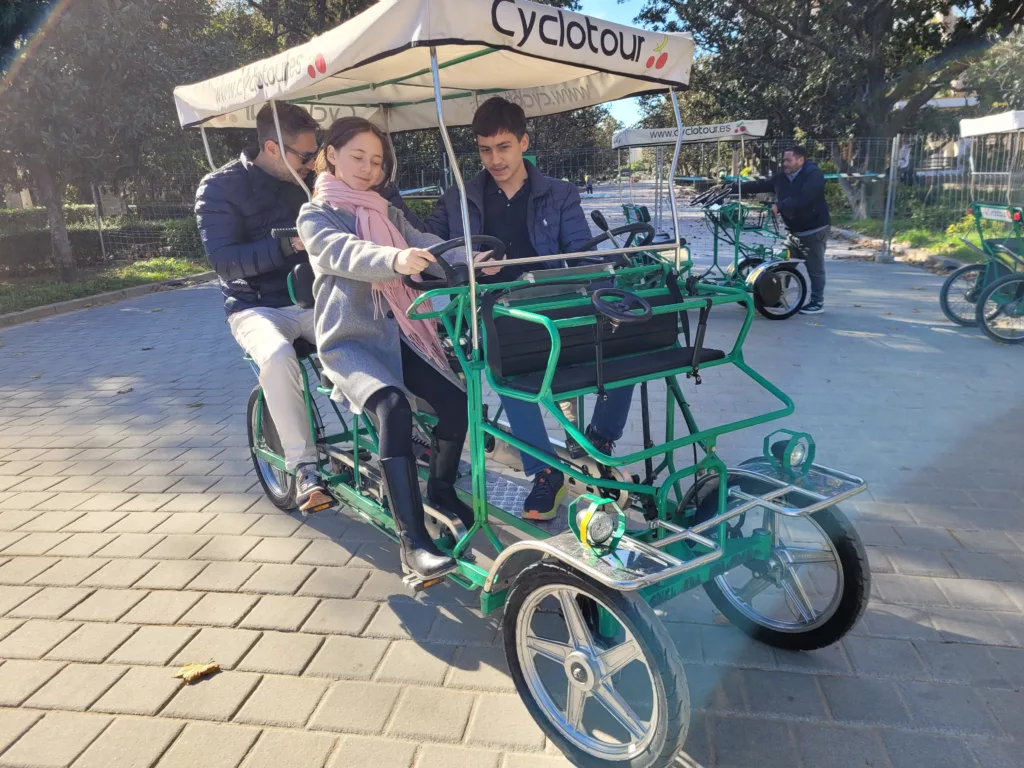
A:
814, 254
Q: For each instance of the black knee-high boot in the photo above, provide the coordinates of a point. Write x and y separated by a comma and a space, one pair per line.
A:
418, 553
445, 456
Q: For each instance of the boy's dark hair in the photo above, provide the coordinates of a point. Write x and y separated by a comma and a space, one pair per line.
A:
497, 115
341, 132
797, 150
293, 118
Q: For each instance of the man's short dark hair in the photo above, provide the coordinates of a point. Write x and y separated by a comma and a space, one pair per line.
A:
293, 118
497, 115
797, 150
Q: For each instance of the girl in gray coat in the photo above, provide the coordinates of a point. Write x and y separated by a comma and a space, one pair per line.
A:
360, 247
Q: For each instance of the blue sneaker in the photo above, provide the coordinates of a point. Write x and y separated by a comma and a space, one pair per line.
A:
602, 444
814, 308
546, 496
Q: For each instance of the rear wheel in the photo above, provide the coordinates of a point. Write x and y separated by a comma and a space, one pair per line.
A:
277, 484
1000, 310
615, 699
813, 588
959, 294
779, 291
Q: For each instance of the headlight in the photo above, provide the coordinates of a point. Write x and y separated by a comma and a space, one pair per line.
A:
599, 528
794, 454
797, 454
598, 523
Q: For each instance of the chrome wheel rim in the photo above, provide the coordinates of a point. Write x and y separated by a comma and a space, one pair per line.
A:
597, 680
1004, 311
792, 293
962, 295
276, 479
799, 587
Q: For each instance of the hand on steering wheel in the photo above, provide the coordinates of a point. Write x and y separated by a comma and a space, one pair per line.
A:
441, 274
618, 305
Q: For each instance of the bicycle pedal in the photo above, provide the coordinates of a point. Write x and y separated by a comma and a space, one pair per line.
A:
417, 583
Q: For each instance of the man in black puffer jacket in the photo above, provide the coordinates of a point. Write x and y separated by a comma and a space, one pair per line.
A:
800, 200
236, 207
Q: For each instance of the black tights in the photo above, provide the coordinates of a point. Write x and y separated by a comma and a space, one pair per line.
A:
393, 414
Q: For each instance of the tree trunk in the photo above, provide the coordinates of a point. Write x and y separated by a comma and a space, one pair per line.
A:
46, 186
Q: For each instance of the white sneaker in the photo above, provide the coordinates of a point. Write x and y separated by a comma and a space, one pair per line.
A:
309, 490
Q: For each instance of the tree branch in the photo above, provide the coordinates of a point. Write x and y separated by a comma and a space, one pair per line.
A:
780, 26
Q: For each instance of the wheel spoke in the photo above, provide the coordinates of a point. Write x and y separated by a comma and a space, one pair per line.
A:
620, 657
549, 649
794, 588
578, 632
806, 555
575, 700
619, 709
752, 589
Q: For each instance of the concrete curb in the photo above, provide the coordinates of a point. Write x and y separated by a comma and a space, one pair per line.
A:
97, 300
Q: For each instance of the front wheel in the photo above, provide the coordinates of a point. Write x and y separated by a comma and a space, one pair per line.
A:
615, 699
1000, 310
813, 588
779, 291
960, 292
277, 484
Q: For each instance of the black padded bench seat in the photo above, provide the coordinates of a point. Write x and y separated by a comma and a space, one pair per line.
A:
517, 350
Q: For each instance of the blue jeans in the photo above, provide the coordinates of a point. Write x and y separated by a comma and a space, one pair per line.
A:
608, 421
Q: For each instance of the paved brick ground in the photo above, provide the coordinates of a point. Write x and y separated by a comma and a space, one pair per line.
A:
133, 538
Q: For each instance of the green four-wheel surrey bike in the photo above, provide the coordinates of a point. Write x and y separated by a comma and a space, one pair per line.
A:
591, 660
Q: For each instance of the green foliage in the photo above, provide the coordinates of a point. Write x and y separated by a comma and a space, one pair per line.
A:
16, 220
422, 208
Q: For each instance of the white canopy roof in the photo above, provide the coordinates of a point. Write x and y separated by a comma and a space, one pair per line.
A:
377, 65
646, 137
1005, 122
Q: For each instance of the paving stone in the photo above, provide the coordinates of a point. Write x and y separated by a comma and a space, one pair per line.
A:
152, 484
278, 579
229, 524
534, 761
715, 689
130, 743
823, 746
11, 597
92, 642
479, 668
222, 746
784, 693
353, 707
225, 646
217, 697
909, 590
282, 701
162, 607
13, 723
994, 754
70, 572
280, 612
981, 627
1008, 708
222, 577
324, 552
975, 565
744, 742
171, 574
401, 619
987, 541
138, 522
282, 653
416, 663
7, 626
20, 679
120, 573
23, 501
142, 691
334, 582
727, 645
295, 749
879, 657
182, 522
106, 605
228, 548
233, 502
132, 545
75, 687
919, 750
340, 617
35, 544
348, 658
34, 639
1010, 664
50, 603
218, 610
518, 731
106, 502
973, 595
82, 544
152, 645
11, 520
145, 502
381, 585
56, 740
947, 707
966, 664
463, 626
920, 562
178, 547
276, 525
874, 702
443, 756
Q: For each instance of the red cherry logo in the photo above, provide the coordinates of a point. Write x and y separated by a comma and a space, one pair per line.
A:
661, 61
650, 62
311, 71
320, 63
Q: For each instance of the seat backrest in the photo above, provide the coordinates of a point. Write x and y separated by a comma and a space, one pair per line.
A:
516, 347
300, 282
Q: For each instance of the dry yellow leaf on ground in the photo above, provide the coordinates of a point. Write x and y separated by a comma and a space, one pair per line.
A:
192, 672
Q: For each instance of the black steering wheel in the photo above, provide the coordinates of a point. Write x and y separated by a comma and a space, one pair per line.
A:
638, 230
621, 311
441, 274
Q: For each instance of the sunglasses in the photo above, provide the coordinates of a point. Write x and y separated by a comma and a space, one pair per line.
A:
304, 157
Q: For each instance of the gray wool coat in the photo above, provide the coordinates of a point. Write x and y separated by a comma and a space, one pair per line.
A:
360, 353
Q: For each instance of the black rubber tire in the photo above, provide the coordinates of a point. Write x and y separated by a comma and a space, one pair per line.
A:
852, 557
983, 321
285, 501
782, 267
952, 278
650, 633
746, 266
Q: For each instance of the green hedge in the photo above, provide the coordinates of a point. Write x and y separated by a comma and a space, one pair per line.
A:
30, 252
14, 221
422, 208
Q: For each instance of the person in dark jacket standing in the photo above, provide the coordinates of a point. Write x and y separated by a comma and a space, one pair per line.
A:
534, 215
800, 200
236, 208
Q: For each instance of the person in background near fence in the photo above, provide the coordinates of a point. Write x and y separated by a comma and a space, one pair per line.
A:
590, 184
236, 208
800, 200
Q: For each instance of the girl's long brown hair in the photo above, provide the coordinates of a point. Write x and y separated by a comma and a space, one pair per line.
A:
341, 132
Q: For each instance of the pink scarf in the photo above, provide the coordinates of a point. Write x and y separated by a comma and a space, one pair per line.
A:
373, 225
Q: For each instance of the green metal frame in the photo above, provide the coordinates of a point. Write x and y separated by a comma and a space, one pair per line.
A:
664, 491
729, 223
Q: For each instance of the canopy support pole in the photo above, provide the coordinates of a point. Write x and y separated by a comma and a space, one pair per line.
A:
281, 147
672, 175
387, 132
206, 146
743, 161
463, 202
